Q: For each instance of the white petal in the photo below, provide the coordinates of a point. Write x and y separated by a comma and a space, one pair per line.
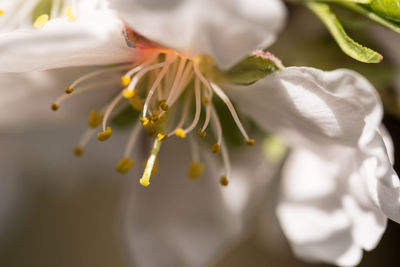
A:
223, 29
320, 214
307, 106
94, 38
176, 221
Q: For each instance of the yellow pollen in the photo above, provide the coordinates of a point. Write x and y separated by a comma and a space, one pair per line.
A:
145, 180
206, 100
124, 165
41, 21
224, 181
201, 133
68, 90
161, 136
128, 94
125, 80
249, 142
103, 136
144, 121
1, 12
163, 104
55, 107
95, 118
69, 15
78, 151
136, 102
195, 170
215, 148
180, 133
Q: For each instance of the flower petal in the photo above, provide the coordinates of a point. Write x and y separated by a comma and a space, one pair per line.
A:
310, 107
226, 30
331, 224
95, 38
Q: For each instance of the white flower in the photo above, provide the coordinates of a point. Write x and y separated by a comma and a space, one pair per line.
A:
171, 58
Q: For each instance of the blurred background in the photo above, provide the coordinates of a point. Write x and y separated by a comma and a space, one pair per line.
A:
67, 213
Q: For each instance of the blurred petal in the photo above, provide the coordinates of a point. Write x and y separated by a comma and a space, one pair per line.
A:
226, 30
310, 107
95, 38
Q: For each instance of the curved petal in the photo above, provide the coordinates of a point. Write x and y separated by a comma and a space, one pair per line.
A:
310, 107
94, 38
320, 214
226, 29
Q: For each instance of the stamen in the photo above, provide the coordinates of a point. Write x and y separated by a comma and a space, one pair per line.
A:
79, 149
215, 148
132, 138
180, 133
128, 94
235, 117
217, 124
161, 136
55, 107
95, 118
144, 121
198, 108
110, 108
124, 165
227, 164
41, 21
145, 180
69, 90
105, 135
163, 104
224, 181
184, 81
201, 133
125, 80
69, 15
195, 169
136, 103
177, 80
184, 114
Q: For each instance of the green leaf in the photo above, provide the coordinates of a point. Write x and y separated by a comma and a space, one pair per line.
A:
348, 45
253, 68
389, 9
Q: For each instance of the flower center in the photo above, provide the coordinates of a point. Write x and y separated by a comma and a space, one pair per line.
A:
163, 88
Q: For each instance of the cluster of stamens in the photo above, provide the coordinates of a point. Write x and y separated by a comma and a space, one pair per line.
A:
161, 89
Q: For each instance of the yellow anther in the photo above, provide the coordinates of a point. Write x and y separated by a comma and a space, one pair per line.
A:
249, 142
78, 151
1, 12
103, 136
124, 165
161, 136
136, 102
154, 118
128, 94
215, 148
95, 118
224, 181
41, 21
201, 133
144, 121
180, 133
195, 169
163, 104
125, 80
69, 15
68, 90
206, 100
55, 107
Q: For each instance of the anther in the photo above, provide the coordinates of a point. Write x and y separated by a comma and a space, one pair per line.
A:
95, 118
1, 12
78, 151
206, 100
161, 136
215, 148
124, 165
195, 169
249, 142
69, 90
69, 15
55, 107
41, 21
125, 80
224, 181
136, 103
103, 136
201, 133
128, 94
180, 133
163, 105
144, 121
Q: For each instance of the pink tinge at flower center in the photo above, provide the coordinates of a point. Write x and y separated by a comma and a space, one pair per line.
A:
162, 88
